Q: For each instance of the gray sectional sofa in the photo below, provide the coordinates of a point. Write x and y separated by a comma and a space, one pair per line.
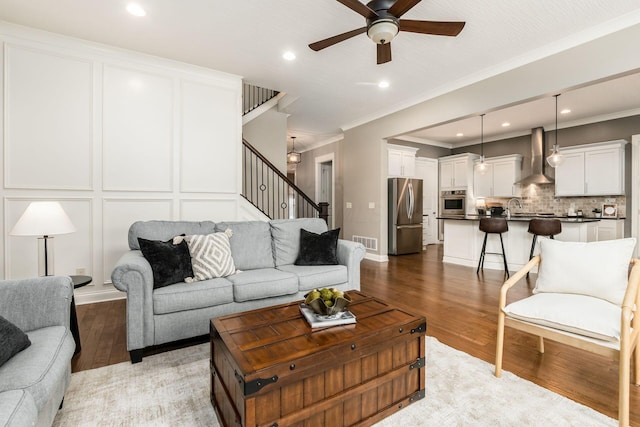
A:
33, 382
264, 254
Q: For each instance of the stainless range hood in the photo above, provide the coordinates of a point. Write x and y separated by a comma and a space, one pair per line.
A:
537, 175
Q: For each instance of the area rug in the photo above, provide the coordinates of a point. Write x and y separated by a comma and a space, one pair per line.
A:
172, 389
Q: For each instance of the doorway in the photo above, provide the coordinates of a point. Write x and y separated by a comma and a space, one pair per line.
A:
427, 170
325, 184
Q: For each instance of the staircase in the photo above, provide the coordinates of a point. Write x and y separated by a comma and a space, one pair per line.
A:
255, 96
263, 185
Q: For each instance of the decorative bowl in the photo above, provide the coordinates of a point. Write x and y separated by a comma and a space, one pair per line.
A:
339, 304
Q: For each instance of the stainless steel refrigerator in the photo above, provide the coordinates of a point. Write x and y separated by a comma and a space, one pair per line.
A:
405, 215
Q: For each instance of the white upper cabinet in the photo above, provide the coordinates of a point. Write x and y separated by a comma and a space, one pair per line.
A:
499, 178
402, 160
592, 170
456, 172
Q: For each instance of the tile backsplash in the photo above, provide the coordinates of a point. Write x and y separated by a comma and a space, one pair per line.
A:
541, 198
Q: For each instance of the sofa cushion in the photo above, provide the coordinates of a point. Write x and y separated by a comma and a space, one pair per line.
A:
262, 283
165, 230
596, 269
250, 244
318, 249
17, 408
191, 296
210, 255
317, 276
578, 314
285, 234
170, 263
12, 340
40, 368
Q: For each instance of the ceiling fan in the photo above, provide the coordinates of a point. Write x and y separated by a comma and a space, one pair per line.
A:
384, 23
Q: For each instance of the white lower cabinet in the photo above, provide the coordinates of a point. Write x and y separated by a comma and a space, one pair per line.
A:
610, 229
463, 242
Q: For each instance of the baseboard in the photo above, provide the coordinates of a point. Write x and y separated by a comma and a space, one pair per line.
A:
99, 296
376, 258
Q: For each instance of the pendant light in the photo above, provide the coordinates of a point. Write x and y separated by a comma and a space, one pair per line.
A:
482, 166
555, 158
293, 157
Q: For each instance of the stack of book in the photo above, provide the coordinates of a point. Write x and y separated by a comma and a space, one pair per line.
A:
316, 320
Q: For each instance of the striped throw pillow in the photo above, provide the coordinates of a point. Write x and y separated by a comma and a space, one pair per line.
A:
210, 254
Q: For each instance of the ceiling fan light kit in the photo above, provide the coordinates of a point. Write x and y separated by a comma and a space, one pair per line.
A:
383, 31
384, 23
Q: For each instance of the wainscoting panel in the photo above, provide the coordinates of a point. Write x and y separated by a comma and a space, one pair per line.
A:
71, 251
118, 215
137, 130
209, 138
48, 120
212, 210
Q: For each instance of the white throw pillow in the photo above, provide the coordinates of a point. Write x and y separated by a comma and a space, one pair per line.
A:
597, 269
579, 314
210, 254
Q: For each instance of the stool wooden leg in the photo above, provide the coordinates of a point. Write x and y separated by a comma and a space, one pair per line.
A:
481, 260
504, 256
533, 248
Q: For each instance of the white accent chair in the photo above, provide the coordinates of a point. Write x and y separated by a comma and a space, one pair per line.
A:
584, 297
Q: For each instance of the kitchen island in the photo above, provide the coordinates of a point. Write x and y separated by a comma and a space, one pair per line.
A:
463, 239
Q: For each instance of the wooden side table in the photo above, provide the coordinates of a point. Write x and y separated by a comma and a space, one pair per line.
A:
78, 282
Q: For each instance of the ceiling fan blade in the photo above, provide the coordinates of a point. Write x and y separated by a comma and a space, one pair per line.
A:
401, 7
319, 45
438, 28
360, 8
384, 53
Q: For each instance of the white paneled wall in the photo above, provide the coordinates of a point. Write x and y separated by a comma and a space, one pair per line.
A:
115, 137
137, 130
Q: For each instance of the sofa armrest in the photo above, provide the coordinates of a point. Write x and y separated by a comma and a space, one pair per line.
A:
37, 302
350, 254
133, 275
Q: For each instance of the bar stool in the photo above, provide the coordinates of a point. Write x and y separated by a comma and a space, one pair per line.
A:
543, 227
493, 226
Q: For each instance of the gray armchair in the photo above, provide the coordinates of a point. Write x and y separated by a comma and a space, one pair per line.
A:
33, 382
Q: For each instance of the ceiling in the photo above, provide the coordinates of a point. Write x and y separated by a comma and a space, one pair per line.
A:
615, 98
336, 88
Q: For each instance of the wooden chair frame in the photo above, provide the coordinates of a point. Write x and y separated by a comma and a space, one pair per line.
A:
622, 351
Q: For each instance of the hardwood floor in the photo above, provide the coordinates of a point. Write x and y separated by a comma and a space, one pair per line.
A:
461, 311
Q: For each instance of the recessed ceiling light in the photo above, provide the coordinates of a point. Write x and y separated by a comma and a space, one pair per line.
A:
289, 56
135, 9
565, 111
459, 134
383, 84
506, 124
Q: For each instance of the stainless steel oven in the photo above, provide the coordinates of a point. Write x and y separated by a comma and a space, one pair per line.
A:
452, 202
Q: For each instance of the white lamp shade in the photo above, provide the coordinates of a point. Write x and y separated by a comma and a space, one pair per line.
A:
43, 219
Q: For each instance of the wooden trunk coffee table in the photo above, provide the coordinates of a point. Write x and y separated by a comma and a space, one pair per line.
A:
269, 368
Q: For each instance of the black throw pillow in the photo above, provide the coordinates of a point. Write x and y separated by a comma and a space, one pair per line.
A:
12, 340
170, 263
318, 249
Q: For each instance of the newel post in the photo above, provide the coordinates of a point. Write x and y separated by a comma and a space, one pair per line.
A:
324, 211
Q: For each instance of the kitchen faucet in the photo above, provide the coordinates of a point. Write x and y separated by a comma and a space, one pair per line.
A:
518, 205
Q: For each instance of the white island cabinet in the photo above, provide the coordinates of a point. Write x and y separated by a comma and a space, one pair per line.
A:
463, 241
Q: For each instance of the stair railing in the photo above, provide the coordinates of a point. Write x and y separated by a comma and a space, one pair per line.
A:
255, 96
272, 192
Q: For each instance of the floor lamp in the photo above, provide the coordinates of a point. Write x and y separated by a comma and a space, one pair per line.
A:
43, 219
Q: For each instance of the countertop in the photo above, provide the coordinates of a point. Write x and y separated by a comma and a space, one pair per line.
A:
526, 218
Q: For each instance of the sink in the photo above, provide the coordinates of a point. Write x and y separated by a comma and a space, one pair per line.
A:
523, 214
